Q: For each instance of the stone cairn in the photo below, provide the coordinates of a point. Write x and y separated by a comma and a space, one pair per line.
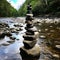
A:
30, 50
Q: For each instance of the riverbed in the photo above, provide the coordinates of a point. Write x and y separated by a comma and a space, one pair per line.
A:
10, 45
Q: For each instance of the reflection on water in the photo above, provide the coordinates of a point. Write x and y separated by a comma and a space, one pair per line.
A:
10, 45
9, 49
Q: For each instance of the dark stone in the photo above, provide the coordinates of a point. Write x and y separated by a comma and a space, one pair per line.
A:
29, 44
12, 41
30, 53
13, 38
29, 18
29, 37
32, 29
29, 33
7, 33
28, 26
2, 35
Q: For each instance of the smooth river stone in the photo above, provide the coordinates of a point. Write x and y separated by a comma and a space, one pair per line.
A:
32, 29
30, 53
29, 44
30, 36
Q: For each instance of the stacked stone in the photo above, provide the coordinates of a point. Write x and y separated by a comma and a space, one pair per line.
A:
30, 48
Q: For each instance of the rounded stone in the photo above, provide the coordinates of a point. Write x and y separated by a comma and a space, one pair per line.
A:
31, 53
34, 29
29, 44
29, 33
29, 37
2, 35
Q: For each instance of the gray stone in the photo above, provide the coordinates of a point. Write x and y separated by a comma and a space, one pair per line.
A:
13, 38
32, 29
31, 36
29, 44
7, 33
34, 52
2, 35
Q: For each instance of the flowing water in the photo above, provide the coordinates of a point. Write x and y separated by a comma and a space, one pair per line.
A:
9, 48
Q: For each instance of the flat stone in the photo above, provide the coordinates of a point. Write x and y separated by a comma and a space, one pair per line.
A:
29, 44
58, 46
29, 26
34, 29
6, 44
12, 41
13, 38
8, 33
31, 37
2, 35
29, 15
35, 33
29, 33
29, 22
56, 55
29, 18
30, 53
42, 37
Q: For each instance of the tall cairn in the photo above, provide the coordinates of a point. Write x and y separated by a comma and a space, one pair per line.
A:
30, 50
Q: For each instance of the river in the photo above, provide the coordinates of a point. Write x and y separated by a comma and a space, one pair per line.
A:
9, 48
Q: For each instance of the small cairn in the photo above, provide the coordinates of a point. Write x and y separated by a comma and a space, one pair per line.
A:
30, 50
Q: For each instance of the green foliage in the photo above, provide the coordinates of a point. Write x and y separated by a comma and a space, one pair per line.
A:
6, 10
42, 7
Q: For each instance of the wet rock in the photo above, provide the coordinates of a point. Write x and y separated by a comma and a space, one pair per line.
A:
18, 25
7, 33
29, 33
56, 55
31, 29
43, 37
46, 30
39, 30
2, 35
29, 37
52, 31
29, 17
14, 31
12, 41
18, 29
13, 38
29, 44
29, 26
57, 46
32, 53
3, 25
6, 44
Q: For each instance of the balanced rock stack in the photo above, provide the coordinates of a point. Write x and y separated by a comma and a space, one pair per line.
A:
30, 48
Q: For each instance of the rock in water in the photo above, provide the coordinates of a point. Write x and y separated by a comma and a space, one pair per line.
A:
30, 53
29, 44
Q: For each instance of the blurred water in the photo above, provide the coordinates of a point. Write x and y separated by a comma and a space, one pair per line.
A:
10, 51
